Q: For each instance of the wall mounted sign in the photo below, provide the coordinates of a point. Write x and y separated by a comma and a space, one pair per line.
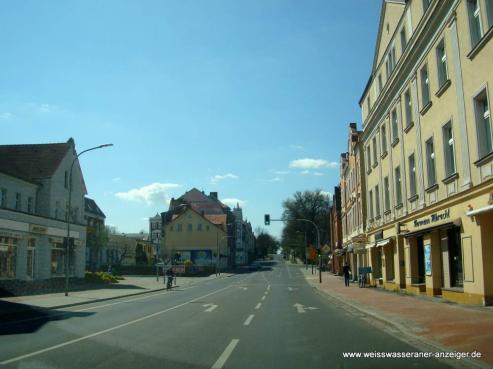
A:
433, 218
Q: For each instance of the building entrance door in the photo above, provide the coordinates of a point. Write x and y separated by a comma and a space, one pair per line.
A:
421, 260
455, 258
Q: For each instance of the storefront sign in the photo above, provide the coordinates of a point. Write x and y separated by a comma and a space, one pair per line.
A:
427, 252
433, 218
38, 229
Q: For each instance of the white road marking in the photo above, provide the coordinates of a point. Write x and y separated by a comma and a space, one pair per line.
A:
244, 288
226, 354
302, 309
249, 319
210, 307
71, 342
258, 305
268, 287
290, 289
289, 272
263, 298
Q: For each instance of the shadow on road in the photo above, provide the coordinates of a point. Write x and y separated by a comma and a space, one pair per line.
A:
18, 318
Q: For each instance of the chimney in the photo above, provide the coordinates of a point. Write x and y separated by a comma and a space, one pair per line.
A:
213, 195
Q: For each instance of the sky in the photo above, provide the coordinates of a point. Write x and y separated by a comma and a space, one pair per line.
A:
248, 98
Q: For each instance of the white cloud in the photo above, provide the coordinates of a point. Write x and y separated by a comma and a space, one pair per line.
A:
326, 193
318, 174
47, 108
116, 179
281, 172
219, 177
305, 172
6, 115
275, 179
296, 147
231, 202
312, 164
155, 193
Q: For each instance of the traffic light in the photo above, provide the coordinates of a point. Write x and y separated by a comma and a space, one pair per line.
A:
267, 219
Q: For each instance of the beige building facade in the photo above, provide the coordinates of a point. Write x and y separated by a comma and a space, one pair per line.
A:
427, 140
353, 202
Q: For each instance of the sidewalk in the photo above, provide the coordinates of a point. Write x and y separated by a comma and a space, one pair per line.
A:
130, 286
433, 322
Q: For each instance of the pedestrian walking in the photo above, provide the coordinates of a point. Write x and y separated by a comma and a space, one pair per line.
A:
345, 270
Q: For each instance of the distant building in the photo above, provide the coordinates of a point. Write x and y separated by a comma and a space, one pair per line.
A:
336, 251
129, 249
244, 238
209, 207
96, 235
34, 185
155, 230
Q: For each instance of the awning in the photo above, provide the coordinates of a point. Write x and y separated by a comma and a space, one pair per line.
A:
383, 242
486, 209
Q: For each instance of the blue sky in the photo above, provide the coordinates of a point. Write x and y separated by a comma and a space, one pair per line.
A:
249, 98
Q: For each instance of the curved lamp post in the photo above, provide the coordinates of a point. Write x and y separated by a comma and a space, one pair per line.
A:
69, 213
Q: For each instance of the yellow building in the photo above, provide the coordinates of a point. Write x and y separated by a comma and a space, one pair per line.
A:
427, 141
197, 237
353, 202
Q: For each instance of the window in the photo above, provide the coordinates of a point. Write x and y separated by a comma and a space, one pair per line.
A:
66, 179
179, 227
442, 63
368, 156
483, 124
387, 193
383, 132
7, 257
377, 202
448, 148
189, 227
171, 228
375, 160
199, 227
395, 130
403, 39
30, 205
408, 106
398, 186
380, 86
3, 198
368, 104
489, 12
426, 4
371, 204
475, 26
17, 201
58, 260
425, 86
430, 163
412, 175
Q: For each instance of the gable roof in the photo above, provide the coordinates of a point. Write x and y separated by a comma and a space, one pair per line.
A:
213, 220
32, 162
200, 202
90, 206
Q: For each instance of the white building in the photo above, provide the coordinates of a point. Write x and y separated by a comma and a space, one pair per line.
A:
34, 185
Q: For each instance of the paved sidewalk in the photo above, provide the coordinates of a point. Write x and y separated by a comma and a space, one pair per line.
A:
131, 285
432, 321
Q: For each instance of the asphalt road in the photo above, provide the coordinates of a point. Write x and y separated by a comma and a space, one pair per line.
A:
265, 319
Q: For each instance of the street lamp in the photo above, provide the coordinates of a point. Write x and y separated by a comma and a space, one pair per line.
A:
69, 211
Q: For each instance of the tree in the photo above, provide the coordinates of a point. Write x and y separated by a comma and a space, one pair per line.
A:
265, 244
310, 205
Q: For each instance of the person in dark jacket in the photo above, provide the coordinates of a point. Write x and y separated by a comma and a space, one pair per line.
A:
345, 270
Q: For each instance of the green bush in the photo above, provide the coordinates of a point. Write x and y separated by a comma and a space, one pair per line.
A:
100, 277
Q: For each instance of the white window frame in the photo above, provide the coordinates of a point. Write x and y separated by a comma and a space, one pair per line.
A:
446, 144
480, 116
442, 68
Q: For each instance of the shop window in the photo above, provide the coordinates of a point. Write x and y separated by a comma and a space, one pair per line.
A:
421, 260
455, 258
7, 257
